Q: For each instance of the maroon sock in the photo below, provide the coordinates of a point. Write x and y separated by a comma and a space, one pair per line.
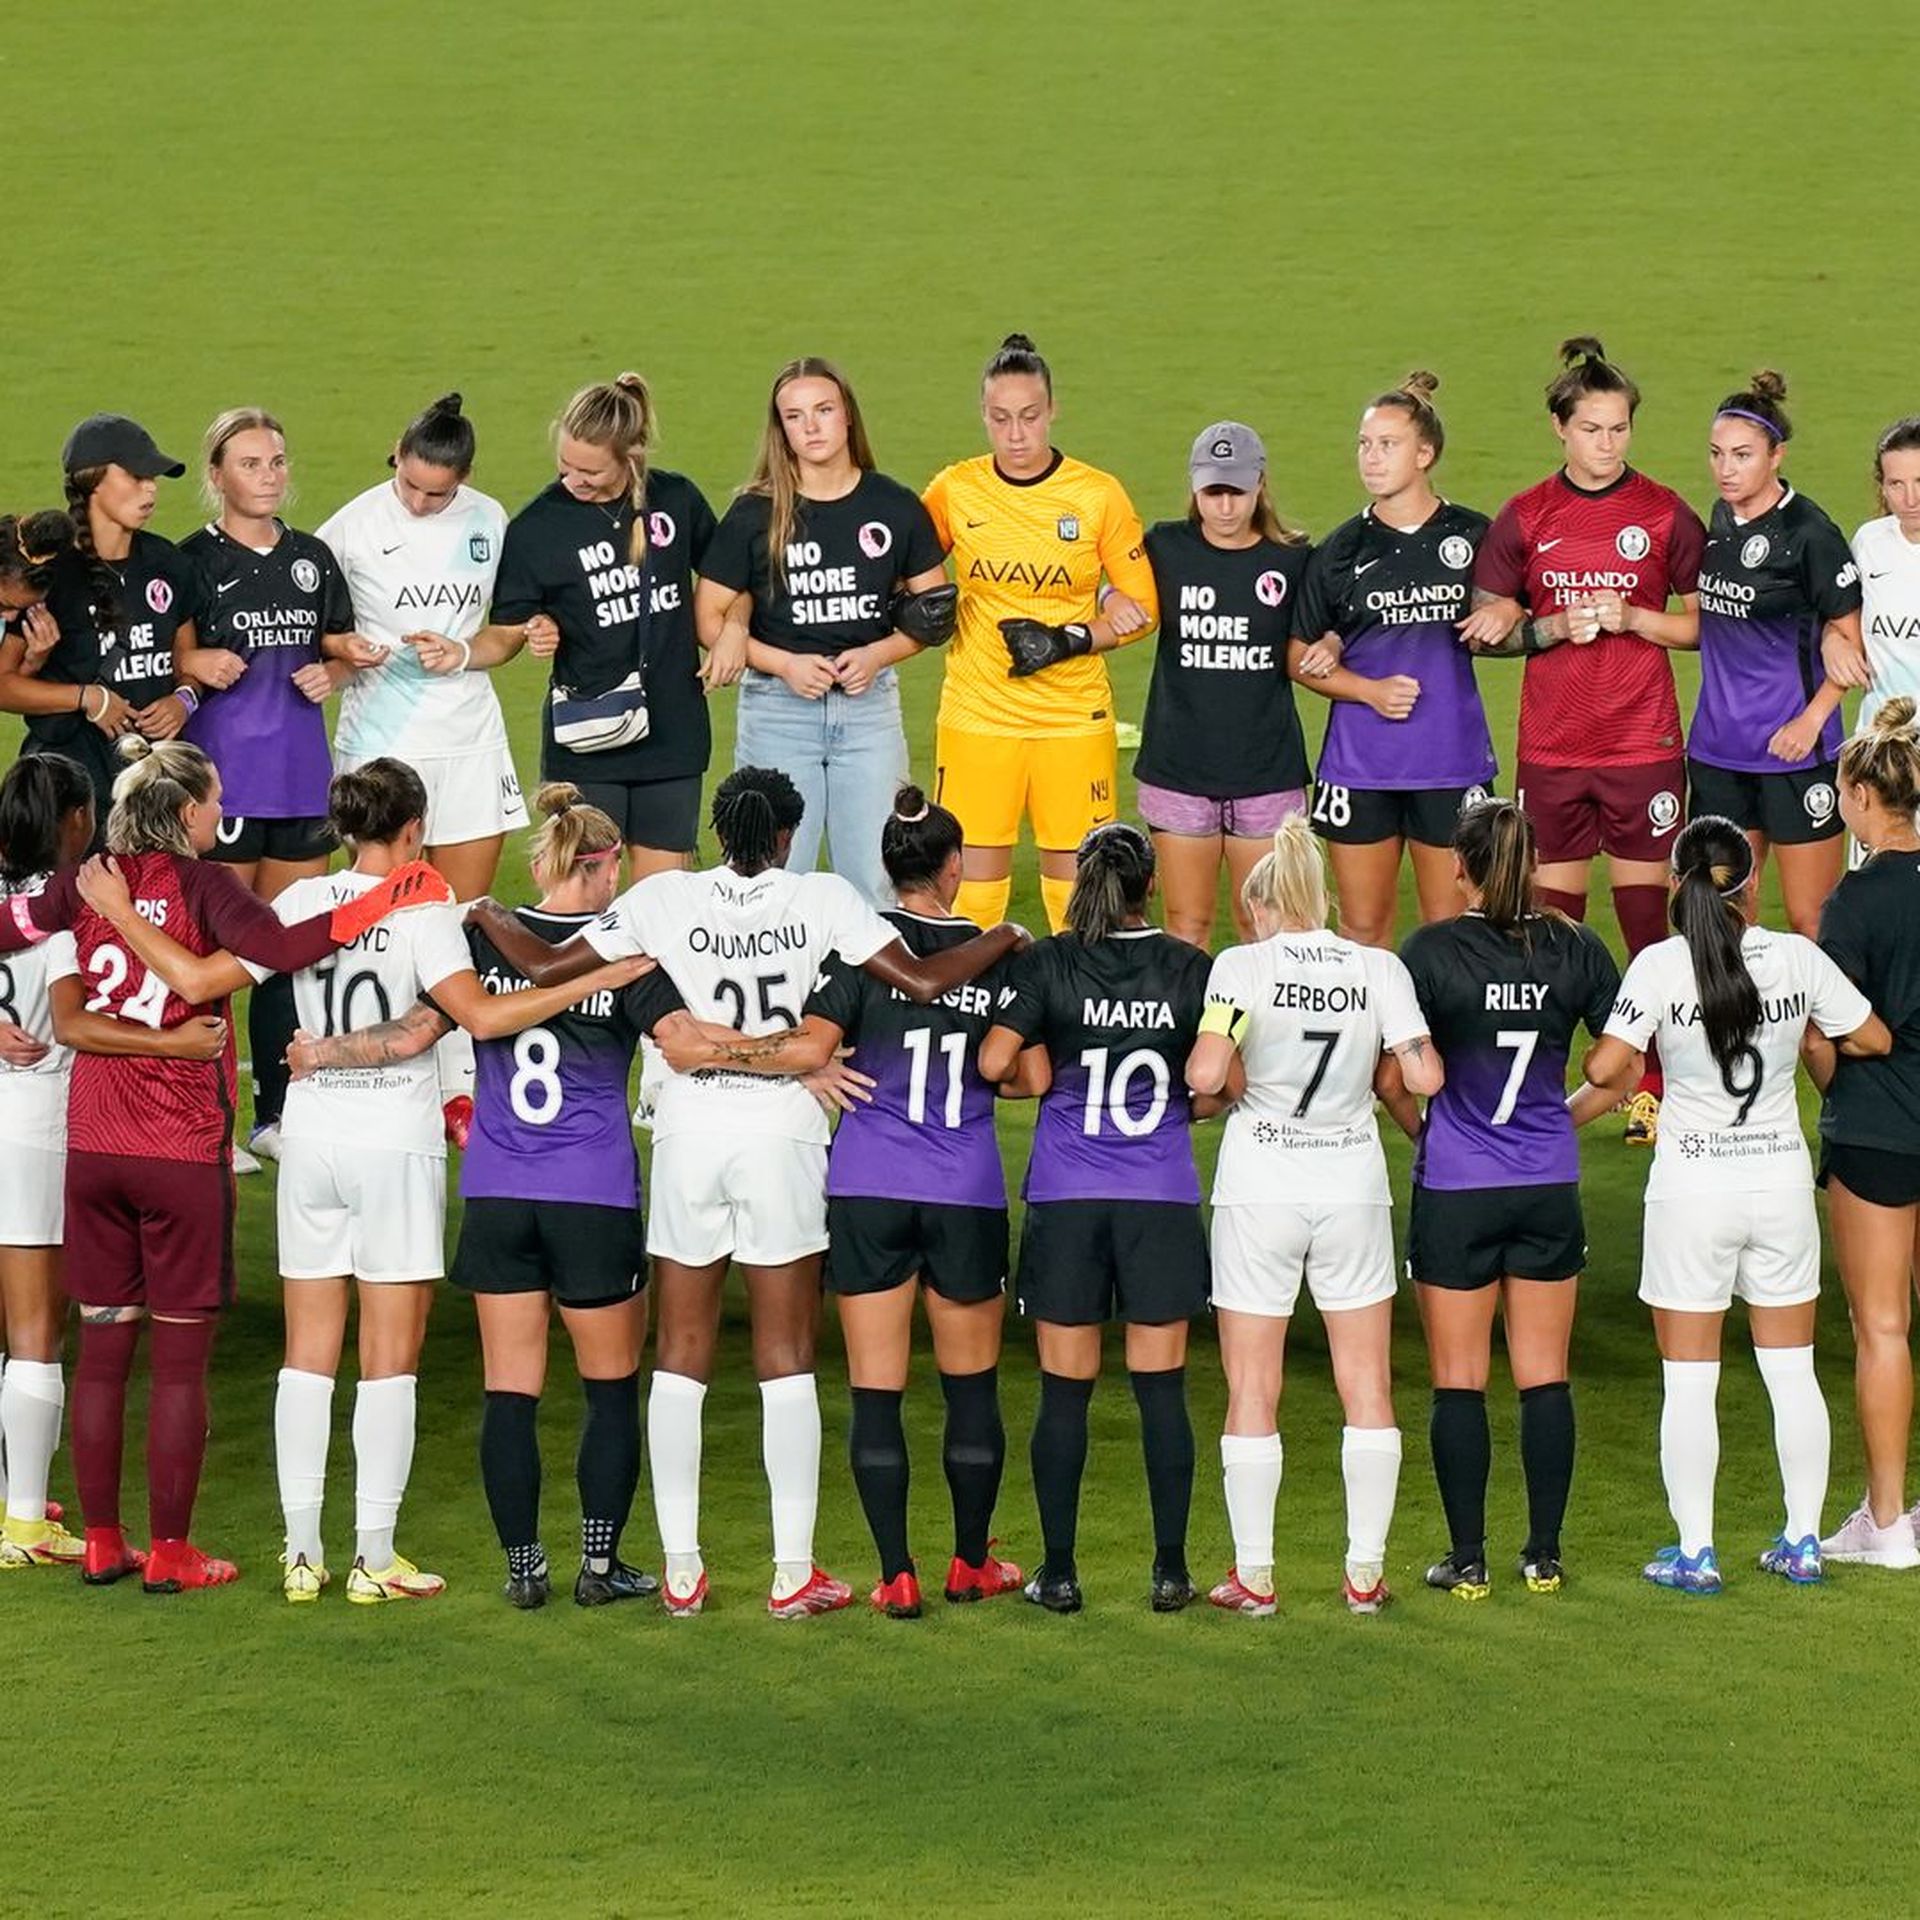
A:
1573, 905
1642, 913
177, 1423
97, 1416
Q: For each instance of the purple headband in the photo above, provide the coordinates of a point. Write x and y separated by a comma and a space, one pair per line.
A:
1740, 413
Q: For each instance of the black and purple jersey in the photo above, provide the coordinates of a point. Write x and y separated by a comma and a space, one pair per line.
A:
1393, 598
550, 1106
1502, 1009
1767, 588
928, 1134
1118, 1018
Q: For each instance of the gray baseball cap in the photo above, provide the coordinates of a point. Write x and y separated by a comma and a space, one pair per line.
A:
111, 439
1227, 454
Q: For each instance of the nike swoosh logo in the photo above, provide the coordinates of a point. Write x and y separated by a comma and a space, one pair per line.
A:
1547, 546
1660, 833
975, 523
1364, 565
388, 550
1881, 575
225, 586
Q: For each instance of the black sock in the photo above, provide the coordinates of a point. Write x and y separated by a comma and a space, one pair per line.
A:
607, 1467
1059, 1457
270, 1027
1166, 1439
1462, 1456
1546, 1453
510, 1470
877, 1446
975, 1455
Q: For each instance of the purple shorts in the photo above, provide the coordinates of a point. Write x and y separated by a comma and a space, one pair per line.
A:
1253, 816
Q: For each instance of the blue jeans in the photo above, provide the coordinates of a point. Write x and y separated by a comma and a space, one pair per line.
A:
846, 753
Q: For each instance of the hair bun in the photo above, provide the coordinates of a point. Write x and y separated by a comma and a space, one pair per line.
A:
909, 803
133, 748
631, 382
1895, 715
552, 798
449, 404
1583, 346
1018, 343
1422, 384
1766, 384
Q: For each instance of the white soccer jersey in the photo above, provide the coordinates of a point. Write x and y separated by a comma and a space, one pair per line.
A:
1711, 1140
1889, 566
378, 977
409, 574
744, 953
1320, 1010
33, 1100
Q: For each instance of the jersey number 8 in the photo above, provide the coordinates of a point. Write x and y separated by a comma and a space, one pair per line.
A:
534, 1091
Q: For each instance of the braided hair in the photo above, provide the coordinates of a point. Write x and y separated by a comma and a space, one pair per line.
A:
1112, 876
752, 808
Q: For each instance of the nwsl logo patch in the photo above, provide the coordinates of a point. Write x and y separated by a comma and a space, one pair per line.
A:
479, 549
1068, 526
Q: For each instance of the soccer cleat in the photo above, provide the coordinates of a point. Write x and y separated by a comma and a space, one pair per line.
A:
1684, 1573
1643, 1120
990, 1577
38, 1543
619, 1582
1233, 1595
529, 1590
821, 1594
264, 1142
1365, 1589
301, 1581
683, 1606
1465, 1580
457, 1117
1797, 1561
1860, 1543
401, 1581
178, 1566
1172, 1590
1543, 1573
108, 1558
898, 1598
1058, 1593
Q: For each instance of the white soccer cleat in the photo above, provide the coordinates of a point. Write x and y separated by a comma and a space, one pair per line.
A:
1859, 1543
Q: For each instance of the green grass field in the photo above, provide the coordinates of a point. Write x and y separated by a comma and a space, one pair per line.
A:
341, 211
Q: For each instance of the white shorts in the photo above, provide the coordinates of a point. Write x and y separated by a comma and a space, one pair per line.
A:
470, 796
1261, 1253
1699, 1251
755, 1196
33, 1196
371, 1212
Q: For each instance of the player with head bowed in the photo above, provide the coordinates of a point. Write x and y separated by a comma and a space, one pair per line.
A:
149, 1194
1496, 1214
1729, 1209
1778, 589
1375, 630
1110, 1009
1221, 761
1026, 710
739, 1159
1887, 551
1576, 573
30, 544
1300, 1194
838, 575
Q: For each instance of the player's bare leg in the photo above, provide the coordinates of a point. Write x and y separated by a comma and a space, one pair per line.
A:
1189, 870
1434, 882
1876, 1250
1809, 871
1366, 885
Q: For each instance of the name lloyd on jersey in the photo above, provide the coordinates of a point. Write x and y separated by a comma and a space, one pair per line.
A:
1136, 1014
596, 1006
616, 588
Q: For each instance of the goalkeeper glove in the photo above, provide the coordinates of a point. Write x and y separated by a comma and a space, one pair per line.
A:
1033, 645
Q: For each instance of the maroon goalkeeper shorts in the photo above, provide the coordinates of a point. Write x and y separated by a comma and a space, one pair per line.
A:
149, 1233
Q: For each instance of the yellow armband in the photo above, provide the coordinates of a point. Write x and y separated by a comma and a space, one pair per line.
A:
1222, 1016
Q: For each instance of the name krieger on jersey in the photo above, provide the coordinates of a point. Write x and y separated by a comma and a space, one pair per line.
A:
971, 998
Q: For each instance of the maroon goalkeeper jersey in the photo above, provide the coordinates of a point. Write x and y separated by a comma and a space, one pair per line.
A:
1610, 704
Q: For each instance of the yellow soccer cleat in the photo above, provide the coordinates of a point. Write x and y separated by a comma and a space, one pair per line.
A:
1643, 1119
38, 1543
401, 1581
302, 1580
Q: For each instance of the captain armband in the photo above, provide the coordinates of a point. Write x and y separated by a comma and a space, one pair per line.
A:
1222, 1016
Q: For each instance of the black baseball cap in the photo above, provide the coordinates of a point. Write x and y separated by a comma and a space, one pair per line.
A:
112, 440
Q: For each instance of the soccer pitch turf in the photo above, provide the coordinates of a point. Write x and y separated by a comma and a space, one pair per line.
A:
340, 212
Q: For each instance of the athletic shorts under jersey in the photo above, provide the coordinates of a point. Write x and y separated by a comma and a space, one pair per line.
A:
1036, 548
1737, 1134
33, 1100
1610, 703
1889, 566
1870, 929
1318, 1010
1503, 1009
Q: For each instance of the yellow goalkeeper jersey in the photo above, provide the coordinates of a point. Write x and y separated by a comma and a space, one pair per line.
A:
1034, 547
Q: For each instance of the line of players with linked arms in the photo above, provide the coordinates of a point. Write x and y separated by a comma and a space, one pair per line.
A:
1250, 1451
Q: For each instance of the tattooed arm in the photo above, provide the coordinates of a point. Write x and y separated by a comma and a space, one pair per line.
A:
377, 1046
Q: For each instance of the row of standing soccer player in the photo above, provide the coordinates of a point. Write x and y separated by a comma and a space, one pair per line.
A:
619, 573
761, 977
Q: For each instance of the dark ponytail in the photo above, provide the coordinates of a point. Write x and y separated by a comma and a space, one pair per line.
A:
1414, 397
103, 584
1713, 863
1494, 839
1018, 354
38, 793
1586, 369
442, 436
752, 807
1761, 402
918, 839
1112, 876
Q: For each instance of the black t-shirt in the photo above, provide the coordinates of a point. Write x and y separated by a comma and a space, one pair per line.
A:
1870, 929
567, 558
1220, 715
842, 563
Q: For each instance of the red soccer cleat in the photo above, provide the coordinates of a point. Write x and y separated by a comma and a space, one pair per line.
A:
176, 1566
457, 1113
990, 1577
1233, 1595
683, 1606
108, 1557
898, 1598
822, 1594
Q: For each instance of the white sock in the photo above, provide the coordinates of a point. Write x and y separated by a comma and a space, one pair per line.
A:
1690, 1447
1250, 1466
302, 1424
383, 1425
1802, 1436
3, 1451
674, 1407
31, 1398
453, 1055
1370, 1464
790, 1449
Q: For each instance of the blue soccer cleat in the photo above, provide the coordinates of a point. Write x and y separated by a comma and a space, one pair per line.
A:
1683, 1572
1795, 1560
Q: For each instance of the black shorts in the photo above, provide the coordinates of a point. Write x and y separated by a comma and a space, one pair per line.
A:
1791, 809
243, 838
1085, 1262
876, 1245
584, 1255
1877, 1175
650, 813
1469, 1239
1364, 816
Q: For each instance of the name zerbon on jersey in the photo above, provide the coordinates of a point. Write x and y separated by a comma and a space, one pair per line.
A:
1302, 996
1136, 1014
